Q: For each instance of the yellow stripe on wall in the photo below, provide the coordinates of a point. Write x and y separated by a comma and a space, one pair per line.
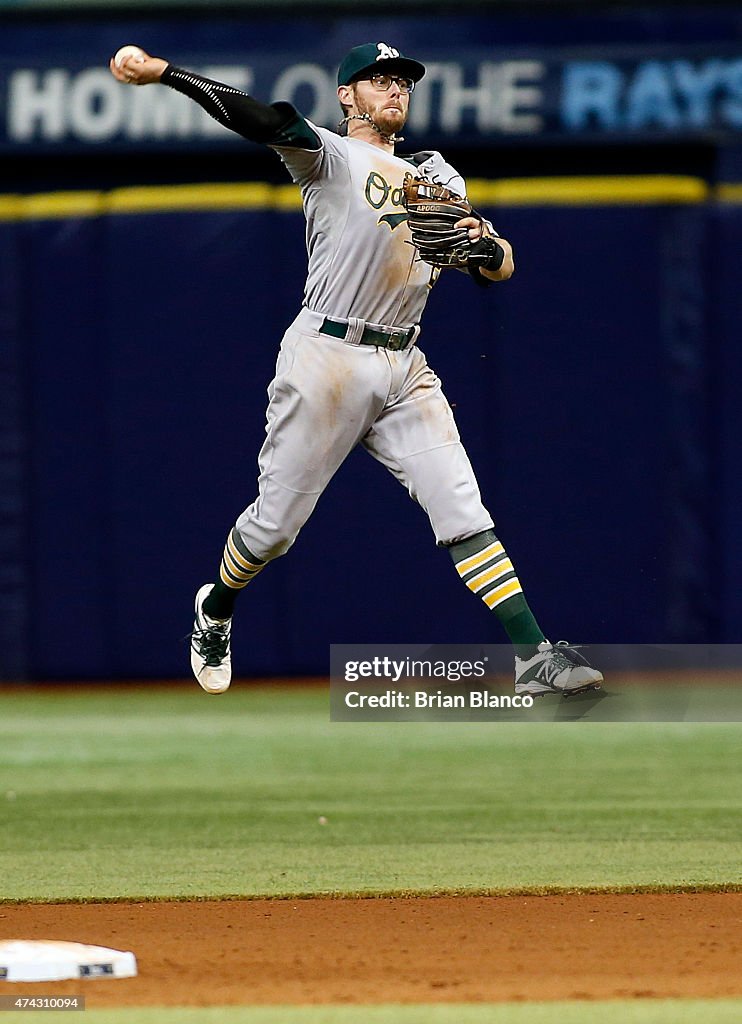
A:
46, 205
162, 199
9, 208
578, 191
150, 199
603, 191
729, 193
62, 204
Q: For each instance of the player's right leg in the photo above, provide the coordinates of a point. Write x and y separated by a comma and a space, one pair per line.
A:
322, 400
211, 653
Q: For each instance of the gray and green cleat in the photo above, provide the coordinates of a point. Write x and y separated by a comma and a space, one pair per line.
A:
555, 669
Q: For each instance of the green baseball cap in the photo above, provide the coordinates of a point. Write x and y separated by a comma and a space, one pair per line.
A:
377, 58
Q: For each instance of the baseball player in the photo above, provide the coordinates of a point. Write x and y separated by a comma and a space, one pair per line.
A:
349, 370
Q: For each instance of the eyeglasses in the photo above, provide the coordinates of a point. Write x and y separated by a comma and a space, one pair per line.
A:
384, 82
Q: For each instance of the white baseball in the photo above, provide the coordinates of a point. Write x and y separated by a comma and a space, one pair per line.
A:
128, 51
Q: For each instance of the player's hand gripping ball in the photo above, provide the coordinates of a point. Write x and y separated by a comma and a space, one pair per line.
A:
135, 52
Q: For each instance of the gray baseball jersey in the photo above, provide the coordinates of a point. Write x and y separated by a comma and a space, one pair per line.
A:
361, 259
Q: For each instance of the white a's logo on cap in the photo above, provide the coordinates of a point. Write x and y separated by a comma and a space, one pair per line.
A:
385, 51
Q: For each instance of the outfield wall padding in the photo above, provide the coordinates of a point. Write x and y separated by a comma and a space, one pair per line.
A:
595, 391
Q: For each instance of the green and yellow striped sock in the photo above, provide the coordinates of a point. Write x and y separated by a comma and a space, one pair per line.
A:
483, 564
239, 566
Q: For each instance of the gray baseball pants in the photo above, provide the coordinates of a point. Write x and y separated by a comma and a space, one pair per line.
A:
328, 396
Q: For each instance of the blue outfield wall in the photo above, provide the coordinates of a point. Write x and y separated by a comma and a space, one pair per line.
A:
726, 319
595, 391
13, 464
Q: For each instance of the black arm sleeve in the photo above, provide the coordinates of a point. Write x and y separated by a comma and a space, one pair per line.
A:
275, 124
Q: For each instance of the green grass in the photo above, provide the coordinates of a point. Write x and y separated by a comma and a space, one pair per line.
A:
167, 792
645, 1011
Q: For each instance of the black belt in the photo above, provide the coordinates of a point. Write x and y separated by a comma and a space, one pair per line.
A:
394, 339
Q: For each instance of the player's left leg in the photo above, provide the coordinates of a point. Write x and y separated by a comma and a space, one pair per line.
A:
540, 667
416, 438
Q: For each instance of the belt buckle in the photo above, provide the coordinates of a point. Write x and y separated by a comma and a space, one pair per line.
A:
397, 340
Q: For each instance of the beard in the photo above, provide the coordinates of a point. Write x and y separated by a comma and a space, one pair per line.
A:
388, 121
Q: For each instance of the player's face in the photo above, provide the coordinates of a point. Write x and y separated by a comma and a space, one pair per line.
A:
388, 109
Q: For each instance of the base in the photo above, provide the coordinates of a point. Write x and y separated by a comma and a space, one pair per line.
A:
22, 960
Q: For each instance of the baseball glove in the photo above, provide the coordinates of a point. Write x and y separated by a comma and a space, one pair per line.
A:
432, 212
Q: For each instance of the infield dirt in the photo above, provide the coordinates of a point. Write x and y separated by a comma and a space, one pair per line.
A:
406, 950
